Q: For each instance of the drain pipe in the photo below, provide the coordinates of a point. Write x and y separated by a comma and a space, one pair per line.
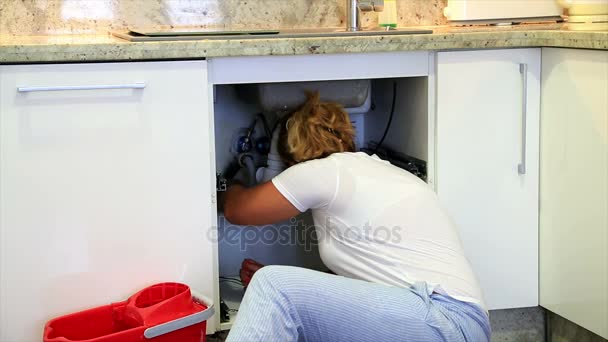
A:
275, 163
246, 161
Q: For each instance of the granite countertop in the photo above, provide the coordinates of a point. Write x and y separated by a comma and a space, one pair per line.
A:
65, 48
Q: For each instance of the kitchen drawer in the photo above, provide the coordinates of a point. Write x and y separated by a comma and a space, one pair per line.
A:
86, 110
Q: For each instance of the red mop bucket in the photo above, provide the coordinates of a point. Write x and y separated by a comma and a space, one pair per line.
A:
165, 312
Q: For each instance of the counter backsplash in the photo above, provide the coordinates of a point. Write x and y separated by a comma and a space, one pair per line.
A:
32, 17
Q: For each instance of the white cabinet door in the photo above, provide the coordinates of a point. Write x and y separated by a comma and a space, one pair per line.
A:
487, 166
574, 187
102, 191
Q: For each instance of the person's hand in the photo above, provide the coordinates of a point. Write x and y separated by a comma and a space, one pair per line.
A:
248, 269
241, 178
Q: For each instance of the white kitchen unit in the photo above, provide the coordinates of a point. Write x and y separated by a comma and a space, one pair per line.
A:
574, 187
106, 186
487, 138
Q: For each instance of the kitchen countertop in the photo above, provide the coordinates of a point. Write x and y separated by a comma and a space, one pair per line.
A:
67, 48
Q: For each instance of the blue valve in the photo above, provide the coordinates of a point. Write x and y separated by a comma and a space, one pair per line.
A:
244, 144
262, 145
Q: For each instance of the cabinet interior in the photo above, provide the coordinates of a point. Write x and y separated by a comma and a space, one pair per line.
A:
292, 242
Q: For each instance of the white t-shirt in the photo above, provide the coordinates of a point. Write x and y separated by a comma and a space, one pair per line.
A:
379, 223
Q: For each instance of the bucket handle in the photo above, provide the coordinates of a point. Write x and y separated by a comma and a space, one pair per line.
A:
183, 322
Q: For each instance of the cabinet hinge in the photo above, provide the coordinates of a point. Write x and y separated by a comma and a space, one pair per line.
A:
221, 183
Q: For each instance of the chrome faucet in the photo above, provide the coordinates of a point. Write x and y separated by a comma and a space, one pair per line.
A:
354, 9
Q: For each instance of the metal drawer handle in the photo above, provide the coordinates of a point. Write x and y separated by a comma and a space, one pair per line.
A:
137, 85
523, 69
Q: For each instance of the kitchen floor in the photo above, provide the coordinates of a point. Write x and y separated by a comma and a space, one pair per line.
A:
516, 325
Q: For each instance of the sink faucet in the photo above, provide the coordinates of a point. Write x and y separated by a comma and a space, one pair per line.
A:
354, 9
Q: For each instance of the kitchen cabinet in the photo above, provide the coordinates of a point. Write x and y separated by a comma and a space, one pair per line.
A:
574, 187
487, 165
106, 186
107, 172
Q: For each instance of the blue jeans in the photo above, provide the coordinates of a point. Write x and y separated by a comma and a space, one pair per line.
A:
286, 304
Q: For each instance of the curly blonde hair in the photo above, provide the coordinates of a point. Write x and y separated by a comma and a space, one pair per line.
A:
315, 130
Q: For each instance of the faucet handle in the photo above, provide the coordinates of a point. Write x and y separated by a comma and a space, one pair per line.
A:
366, 6
371, 5
378, 5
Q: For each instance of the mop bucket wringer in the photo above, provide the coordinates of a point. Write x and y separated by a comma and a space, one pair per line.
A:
165, 312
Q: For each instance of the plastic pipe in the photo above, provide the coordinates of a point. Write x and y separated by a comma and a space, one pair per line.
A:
275, 163
246, 161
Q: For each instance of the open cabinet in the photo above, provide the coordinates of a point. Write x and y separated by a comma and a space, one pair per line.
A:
237, 106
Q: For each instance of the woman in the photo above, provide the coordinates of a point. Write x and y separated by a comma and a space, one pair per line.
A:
401, 271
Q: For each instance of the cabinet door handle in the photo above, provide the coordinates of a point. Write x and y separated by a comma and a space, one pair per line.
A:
523, 70
137, 85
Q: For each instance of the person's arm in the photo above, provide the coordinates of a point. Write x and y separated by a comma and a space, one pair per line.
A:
304, 186
259, 205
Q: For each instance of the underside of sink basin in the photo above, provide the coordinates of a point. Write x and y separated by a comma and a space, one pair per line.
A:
172, 34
